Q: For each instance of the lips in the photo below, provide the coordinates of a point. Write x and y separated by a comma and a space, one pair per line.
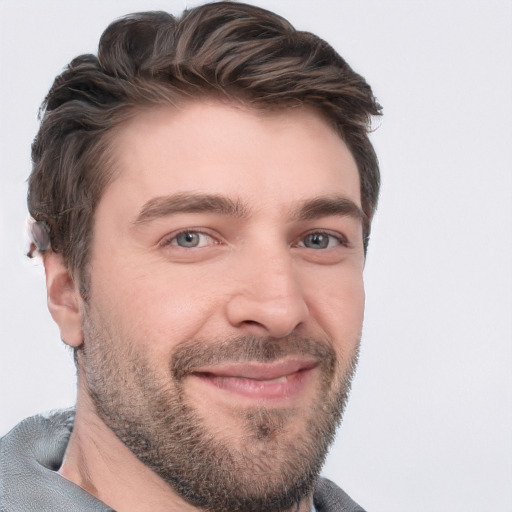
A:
282, 379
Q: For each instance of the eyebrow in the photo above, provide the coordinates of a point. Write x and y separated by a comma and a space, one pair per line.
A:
189, 203
311, 209
328, 206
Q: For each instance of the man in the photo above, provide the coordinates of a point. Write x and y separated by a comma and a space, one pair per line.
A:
202, 193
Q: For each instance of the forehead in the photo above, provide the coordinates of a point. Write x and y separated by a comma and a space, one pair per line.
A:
260, 157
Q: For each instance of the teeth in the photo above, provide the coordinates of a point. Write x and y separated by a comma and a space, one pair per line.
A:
279, 379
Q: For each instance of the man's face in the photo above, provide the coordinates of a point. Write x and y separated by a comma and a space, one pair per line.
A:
226, 299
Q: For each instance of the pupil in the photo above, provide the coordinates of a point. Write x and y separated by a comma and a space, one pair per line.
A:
318, 241
188, 239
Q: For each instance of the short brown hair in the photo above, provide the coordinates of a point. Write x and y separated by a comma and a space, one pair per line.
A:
235, 50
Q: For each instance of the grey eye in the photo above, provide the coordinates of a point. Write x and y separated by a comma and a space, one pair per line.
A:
320, 240
188, 239
317, 241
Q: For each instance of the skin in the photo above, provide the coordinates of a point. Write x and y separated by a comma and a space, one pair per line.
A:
256, 272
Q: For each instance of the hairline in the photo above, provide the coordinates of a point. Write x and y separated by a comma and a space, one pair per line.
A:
169, 97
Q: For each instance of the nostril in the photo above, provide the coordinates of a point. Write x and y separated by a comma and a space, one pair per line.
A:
270, 310
252, 327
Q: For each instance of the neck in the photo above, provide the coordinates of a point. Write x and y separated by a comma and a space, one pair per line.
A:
97, 461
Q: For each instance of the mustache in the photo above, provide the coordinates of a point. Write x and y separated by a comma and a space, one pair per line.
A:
194, 354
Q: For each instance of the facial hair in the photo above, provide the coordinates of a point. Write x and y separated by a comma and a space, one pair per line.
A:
267, 469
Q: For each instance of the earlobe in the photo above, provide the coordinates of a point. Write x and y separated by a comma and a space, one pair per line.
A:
64, 301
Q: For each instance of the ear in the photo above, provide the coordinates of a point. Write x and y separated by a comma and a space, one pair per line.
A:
64, 301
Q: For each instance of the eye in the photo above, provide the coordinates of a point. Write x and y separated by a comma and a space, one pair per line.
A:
189, 240
321, 240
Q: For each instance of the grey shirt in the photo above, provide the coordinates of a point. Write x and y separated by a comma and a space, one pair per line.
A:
32, 452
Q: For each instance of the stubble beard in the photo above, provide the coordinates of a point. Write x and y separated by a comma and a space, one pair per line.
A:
264, 469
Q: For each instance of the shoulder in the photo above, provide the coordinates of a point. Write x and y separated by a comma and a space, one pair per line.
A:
42, 438
330, 498
30, 455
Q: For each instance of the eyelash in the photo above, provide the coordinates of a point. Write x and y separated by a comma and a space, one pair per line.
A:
342, 241
169, 240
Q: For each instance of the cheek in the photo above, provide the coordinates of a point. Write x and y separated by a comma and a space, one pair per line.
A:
337, 304
158, 309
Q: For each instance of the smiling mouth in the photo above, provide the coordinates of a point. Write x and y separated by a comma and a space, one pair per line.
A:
284, 379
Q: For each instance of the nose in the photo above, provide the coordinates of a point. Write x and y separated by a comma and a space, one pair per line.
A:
268, 298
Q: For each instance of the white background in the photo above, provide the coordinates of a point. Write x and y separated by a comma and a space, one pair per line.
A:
429, 425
